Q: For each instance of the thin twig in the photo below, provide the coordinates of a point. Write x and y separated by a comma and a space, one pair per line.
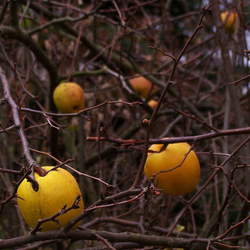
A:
165, 140
64, 210
71, 168
25, 145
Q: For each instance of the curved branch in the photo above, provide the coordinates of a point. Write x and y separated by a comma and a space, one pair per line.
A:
22, 37
16, 119
11, 33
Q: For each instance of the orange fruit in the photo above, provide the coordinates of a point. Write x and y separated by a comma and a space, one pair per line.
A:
152, 103
68, 97
175, 170
229, 20
142, 86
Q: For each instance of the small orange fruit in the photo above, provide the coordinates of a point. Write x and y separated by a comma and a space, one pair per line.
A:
175, 170
230, 20
152, 103
142, 86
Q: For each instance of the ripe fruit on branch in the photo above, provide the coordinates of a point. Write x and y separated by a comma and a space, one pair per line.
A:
69, 97
230, 20
174, 169
58, 190
152, 103
142, 86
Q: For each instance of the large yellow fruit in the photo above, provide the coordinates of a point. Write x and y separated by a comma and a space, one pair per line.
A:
141, 86
56, 189
175, 169
69, 97
229, 20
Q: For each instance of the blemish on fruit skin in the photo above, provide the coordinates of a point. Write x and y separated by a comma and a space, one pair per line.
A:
76, 108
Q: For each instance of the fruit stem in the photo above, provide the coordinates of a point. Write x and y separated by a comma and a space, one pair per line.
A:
31, 176
33, 182
40, 171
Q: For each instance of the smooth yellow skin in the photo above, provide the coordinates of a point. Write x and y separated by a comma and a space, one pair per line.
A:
152, 103
229, 20
141, 86
175, 170
69, 97
56, 189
